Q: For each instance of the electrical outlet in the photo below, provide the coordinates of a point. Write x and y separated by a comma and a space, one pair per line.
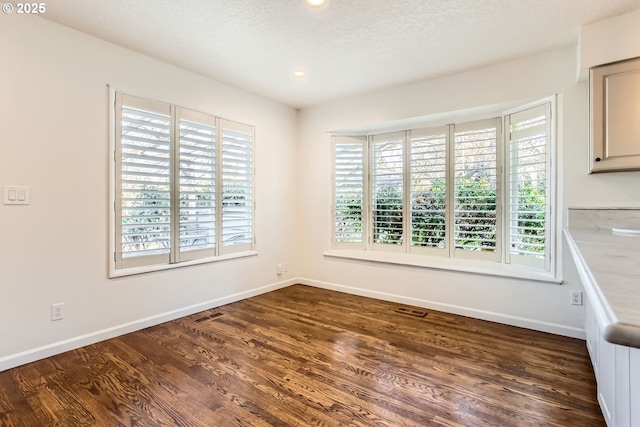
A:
575, 297
279, 269
57, 311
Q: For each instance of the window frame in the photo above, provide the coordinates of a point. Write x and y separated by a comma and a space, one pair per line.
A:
496, 254
501, 263
202, 119
388, 138
154, 107
119, 266
364, 204
246, 244
412, 136
551, 234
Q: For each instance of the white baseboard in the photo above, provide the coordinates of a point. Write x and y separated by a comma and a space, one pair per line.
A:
506, 319
17, 359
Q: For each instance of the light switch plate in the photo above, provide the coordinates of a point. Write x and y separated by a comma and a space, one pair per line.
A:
16, 195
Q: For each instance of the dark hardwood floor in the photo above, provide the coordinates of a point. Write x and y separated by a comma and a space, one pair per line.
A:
302, 356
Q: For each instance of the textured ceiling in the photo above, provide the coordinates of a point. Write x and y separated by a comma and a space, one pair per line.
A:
347, 47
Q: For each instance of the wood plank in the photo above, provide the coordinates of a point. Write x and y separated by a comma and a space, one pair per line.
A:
307, 356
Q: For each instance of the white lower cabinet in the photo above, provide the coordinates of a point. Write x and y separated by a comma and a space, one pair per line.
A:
593, 334
617, 371
634, 385
606, 382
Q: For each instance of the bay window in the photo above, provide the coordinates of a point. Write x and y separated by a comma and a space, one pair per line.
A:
478, 190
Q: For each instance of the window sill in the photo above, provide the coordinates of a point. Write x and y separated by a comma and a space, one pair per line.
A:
460, 265
113, 273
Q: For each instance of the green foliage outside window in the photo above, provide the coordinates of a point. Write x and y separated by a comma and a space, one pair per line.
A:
475, 215
531, 220
428, 216
387, 215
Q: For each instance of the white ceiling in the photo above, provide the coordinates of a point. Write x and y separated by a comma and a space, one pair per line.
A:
347, 47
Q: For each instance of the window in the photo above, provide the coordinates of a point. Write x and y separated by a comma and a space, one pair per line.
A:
387, 190
529, 187
428, 187
477, 190
183, 185
237, 187
349, 191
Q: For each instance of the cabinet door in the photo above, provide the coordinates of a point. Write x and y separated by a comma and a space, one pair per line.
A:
615, 384
615, 116
592, 333
622, 392
634, 385
607, 382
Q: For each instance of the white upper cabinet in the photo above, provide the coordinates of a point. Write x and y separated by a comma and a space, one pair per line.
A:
615, 116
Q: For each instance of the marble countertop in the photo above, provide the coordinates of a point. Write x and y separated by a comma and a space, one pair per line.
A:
609, 265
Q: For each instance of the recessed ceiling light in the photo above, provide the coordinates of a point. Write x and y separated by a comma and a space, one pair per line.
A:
317, 3
299, 73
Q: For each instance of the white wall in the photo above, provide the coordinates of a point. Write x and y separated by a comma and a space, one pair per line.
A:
53, 138
532, 304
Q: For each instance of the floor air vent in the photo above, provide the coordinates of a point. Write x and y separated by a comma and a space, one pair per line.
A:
411, 311
211, 316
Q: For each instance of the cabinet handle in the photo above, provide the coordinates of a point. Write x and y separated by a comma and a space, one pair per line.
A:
598, 159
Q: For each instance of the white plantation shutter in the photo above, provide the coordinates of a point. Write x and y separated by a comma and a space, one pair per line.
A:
476, 195
469, 190
182, 186
348, 191
143, 186
388, 188
529, 139
237, 187
197, 216
428, 179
